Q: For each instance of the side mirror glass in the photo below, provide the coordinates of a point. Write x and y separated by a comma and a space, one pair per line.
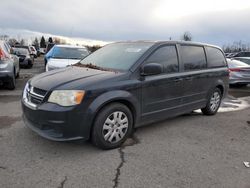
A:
151, 69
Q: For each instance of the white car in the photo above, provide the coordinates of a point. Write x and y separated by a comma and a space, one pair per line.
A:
33, 51
61, 56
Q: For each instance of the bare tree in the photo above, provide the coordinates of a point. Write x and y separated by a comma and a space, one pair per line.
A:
186, 36
36, 43
22, 42
237, 46
12, 41
4, 37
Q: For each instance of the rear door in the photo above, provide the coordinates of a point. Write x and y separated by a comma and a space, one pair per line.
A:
195, 76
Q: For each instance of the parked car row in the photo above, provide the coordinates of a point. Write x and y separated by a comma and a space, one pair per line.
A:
239, 67
9, 66
25, 59
11, 60
239, 73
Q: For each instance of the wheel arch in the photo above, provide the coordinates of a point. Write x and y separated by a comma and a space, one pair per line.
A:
108, 98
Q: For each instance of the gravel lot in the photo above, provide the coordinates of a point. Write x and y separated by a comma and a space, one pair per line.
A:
187, 151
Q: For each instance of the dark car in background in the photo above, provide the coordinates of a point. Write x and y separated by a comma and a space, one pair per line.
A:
239, 73
123, 86
25, 59
241, 54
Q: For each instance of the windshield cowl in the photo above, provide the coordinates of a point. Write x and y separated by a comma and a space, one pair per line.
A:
91, 66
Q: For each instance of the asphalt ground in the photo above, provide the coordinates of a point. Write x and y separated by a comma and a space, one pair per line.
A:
187, 151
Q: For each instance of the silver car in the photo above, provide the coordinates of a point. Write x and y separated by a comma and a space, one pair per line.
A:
239, 72
243, 59
9, 66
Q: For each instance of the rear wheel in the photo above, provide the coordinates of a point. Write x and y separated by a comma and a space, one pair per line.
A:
112, 126
213, 103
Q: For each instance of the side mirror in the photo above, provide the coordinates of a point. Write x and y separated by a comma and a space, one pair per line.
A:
151, 69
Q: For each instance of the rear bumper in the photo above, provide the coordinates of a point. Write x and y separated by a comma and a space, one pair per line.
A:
56, 123
239, 81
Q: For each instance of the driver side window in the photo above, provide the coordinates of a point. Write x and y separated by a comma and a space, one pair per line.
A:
167, 57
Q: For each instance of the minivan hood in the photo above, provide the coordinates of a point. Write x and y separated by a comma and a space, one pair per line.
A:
60, 63
64, 78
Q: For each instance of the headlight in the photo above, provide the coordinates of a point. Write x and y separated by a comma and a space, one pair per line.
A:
25, 90
66, 97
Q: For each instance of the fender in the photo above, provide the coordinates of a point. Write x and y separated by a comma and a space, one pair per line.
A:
221, 83
112, 96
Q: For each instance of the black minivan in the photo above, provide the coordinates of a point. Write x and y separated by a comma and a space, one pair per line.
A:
122, 86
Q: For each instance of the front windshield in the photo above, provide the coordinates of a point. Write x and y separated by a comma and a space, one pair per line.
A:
69, 53
20, 51
117, 56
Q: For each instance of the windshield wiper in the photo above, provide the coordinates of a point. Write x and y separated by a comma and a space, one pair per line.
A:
91, 66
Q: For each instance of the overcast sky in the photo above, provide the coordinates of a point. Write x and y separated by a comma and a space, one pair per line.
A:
214, 21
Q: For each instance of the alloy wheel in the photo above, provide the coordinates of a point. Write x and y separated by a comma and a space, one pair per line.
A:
215, 101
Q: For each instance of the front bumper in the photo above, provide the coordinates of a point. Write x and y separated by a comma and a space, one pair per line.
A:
55, 122
24, 62
5, 76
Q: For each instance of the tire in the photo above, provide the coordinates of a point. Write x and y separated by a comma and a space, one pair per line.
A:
115, 135
12, 82
213, 103
30, 64
17, 75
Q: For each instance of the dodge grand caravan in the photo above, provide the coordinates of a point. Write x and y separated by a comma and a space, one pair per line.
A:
122, 86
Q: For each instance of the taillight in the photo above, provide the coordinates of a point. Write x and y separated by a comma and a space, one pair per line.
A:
2, 55
234, 69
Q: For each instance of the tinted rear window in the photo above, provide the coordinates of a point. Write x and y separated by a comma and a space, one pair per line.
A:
215, 57
193, 57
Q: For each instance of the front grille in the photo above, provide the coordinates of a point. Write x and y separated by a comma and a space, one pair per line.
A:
35, 99
39, 91
34, 96
21, 60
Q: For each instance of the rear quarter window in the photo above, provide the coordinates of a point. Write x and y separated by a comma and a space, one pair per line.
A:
215, 57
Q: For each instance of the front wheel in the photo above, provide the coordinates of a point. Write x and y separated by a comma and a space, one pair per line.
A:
113, 125
213, 103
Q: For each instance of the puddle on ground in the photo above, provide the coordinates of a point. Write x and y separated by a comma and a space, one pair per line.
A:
7, 121
233, 105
